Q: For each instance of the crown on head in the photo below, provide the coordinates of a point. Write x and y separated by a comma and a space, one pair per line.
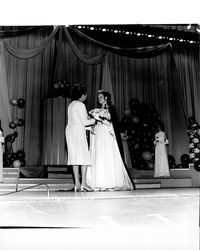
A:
101, 90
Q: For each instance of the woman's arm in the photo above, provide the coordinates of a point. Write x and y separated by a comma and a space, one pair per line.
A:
84, 116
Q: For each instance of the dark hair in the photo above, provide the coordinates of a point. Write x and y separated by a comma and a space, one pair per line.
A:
161, 126
78, 91
105, 94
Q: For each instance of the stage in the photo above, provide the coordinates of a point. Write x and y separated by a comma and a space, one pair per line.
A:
141, 219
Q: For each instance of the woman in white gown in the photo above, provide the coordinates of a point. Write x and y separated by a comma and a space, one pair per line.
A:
161, 168
77, 145
108, 171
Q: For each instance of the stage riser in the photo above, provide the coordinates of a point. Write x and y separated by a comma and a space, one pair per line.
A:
174, 173
52, 187
57, 187
178, 178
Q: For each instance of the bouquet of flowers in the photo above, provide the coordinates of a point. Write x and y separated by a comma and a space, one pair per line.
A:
100, 114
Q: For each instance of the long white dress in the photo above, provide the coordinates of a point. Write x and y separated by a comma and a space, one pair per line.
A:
77, 145
108, 171
161, 168
1, 156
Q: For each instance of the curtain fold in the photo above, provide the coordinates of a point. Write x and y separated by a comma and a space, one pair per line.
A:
5, 112
21, 32
140, 52
106, 79
29, 53
30, 79
84, 58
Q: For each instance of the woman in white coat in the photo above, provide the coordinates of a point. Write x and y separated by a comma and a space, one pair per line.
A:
77, 145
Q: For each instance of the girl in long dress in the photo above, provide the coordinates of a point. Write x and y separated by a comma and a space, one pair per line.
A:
108, 171
1, 153
161, 168
77, 145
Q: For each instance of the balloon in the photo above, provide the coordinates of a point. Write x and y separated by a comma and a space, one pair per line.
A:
23, 163
62, 85
21, 103
56, 86
20, 155
145, 125
150, 165
152, 107
197, 165
12, 125
16, 164
198, 131
133, 132
127, 112
21, 123
155, 114
14, 101
135, 120
15, 121
146, 155
185, 159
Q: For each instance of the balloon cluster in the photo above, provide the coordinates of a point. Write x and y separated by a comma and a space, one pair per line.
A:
194, 142
141, 121
16, 122
15, 160
61, 89
20, 103
11, 159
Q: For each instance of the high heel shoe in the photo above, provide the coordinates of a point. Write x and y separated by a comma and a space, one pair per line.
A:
86, 189
77, 189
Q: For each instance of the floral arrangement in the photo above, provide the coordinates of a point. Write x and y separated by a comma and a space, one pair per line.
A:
100, 114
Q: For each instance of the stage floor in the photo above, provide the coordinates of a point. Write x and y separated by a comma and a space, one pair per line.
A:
142, 219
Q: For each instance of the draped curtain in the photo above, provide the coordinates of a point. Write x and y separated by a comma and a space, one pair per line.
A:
29, 78
46, 56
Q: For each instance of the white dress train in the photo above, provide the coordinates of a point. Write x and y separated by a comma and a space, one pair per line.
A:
107, 170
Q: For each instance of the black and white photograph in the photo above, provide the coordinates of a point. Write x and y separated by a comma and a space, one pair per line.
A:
99, 133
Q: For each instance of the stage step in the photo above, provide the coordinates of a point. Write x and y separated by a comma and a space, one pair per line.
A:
174, 173
58, 181
186, 182
57, 187
53, 187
